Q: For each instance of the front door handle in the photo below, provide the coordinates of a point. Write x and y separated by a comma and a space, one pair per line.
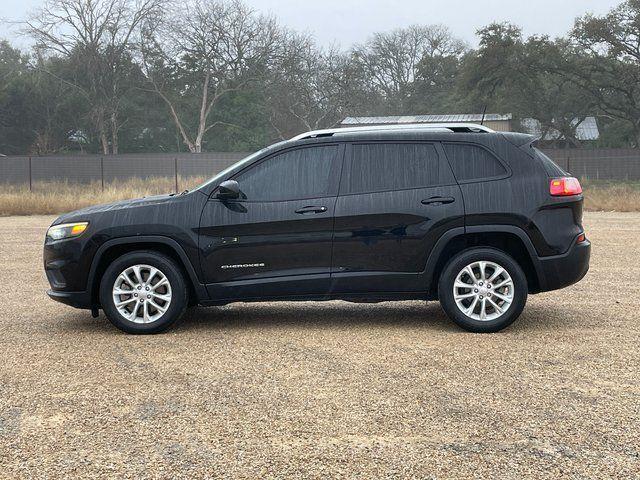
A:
438, 200
311, 209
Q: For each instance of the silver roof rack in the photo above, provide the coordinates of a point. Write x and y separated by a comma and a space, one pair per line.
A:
430, 127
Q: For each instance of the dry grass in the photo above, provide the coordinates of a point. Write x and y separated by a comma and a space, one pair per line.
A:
59, 197
605, 196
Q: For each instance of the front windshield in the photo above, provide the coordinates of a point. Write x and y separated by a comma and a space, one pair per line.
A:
239, 164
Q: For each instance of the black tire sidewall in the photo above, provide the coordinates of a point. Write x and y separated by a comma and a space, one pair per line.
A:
169, 269
451, 270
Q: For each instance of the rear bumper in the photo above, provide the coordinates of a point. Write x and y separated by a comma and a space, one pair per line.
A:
560, 271
73, 299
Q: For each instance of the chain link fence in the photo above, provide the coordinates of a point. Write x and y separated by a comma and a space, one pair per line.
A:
33, 172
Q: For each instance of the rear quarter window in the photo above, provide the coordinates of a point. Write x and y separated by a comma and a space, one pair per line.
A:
471, 162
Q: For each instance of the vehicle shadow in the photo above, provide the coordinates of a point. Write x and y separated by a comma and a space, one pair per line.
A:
305, 315
333, 314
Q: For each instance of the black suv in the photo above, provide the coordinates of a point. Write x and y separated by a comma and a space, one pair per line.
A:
459, 213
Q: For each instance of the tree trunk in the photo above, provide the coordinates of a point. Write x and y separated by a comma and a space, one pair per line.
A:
202, 121
114, 133
102, 132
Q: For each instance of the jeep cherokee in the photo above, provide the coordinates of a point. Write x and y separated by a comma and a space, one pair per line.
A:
460, 213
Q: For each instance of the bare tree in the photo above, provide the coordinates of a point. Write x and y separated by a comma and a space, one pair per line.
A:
391, 60
97, 36
307, 87
207, 50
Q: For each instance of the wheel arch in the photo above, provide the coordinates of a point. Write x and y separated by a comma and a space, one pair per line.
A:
509, 239
117, 247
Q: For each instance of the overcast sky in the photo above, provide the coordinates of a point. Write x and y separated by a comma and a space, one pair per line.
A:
351, 21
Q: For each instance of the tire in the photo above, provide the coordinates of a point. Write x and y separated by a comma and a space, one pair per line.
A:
158, 304
502, 306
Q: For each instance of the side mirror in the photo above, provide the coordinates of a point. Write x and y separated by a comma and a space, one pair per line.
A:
228, 189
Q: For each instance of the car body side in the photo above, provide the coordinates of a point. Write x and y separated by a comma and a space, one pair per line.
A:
513, 212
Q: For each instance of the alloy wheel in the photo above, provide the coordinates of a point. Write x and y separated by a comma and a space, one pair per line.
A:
483, 290
141, 293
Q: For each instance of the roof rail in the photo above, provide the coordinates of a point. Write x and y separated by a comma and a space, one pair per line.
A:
430, 127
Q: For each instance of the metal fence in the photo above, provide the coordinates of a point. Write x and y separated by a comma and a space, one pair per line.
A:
593, 164
599, 163
33, 171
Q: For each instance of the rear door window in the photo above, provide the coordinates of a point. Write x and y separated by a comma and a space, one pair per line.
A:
377, 167
471, 162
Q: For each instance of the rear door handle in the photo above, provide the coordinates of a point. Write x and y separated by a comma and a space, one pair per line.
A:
438, 200
311, 209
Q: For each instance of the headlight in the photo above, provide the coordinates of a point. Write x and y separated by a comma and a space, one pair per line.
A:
67, 230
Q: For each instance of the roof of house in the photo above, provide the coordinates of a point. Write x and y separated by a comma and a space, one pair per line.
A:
586, 130
402, 119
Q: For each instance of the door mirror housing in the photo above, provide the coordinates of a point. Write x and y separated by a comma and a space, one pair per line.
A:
229, 189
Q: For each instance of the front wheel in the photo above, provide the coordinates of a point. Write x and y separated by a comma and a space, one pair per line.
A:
143, 292
483, 290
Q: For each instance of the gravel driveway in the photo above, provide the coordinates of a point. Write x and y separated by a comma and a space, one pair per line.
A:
311, 390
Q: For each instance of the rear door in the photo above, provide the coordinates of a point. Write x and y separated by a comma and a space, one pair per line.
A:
396, 200
276, 239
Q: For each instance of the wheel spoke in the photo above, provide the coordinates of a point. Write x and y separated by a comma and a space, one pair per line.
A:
502, 297
164, 298
145, 312
119, 291
469, 271
495, 305
138, 274
162, 282
483, 309
134, 312
498, 271
460, 284
462, 296
126, 302
503, 283
472, 307
152, 273
157, 307
483, 266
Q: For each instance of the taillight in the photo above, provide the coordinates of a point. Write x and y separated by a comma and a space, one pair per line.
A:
560, 187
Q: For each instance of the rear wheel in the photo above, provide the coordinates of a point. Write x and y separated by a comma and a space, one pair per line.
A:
143, 292
483, 290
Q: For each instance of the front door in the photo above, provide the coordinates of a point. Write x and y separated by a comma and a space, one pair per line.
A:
396, 200
276, 239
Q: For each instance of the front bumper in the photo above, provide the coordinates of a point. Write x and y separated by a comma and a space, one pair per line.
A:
73, 299
560, 271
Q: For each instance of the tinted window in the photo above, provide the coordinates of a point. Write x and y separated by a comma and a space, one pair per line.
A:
470, 162
301, 173
378, 167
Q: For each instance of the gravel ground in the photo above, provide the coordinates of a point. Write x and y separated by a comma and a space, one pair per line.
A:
310, 390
